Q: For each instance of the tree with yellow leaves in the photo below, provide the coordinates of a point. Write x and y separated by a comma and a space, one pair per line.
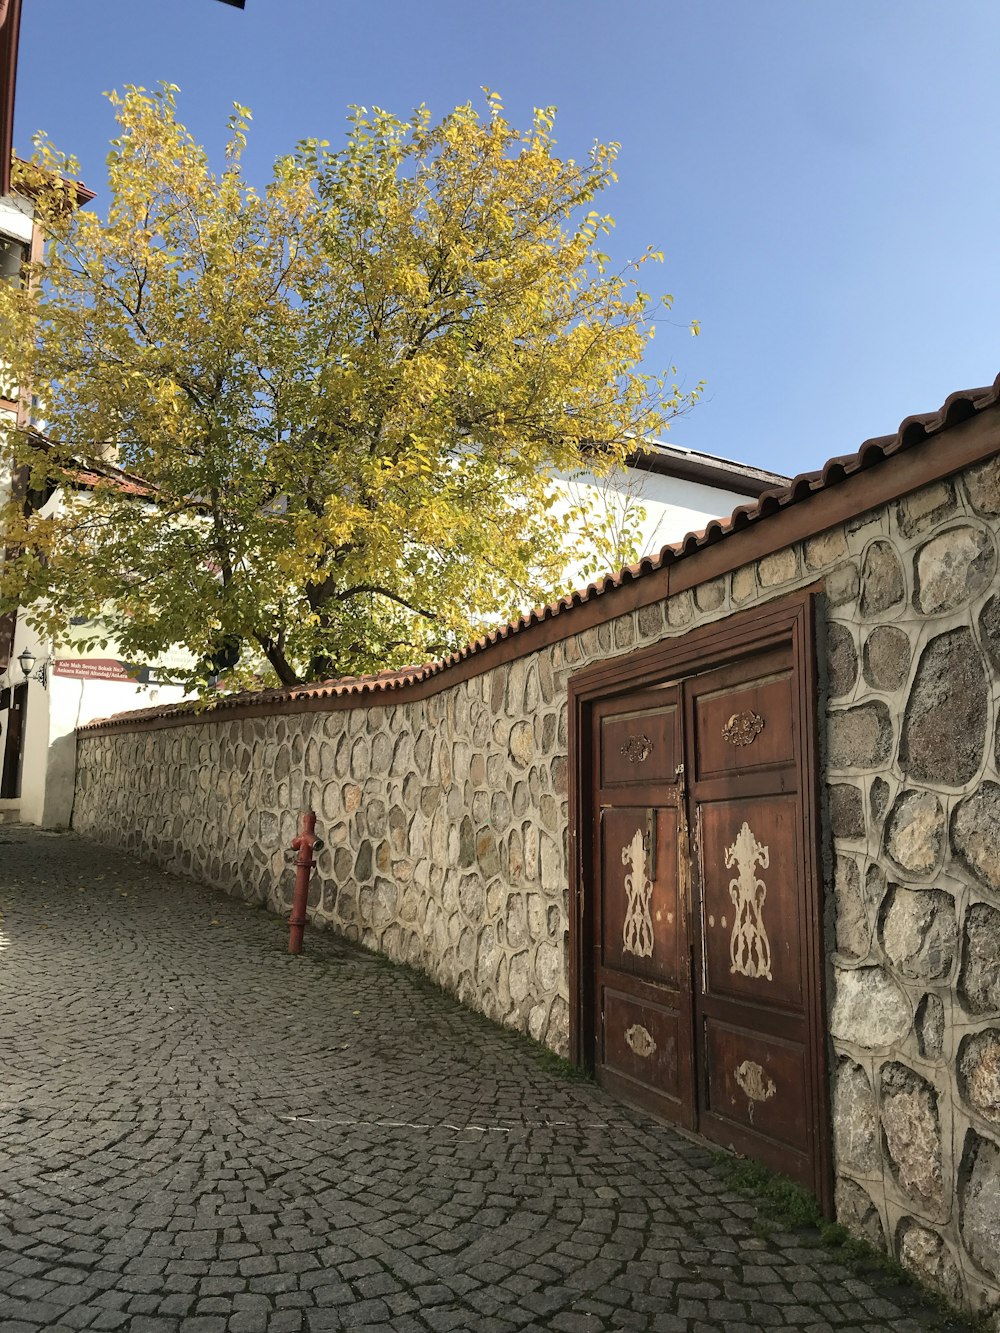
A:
319, 420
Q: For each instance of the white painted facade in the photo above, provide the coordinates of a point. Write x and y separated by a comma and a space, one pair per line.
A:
15, 218
674, 506
54, 711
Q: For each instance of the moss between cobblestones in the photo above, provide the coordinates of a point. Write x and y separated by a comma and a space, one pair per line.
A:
783, 1205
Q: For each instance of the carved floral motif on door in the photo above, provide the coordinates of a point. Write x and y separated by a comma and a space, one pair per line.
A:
637, 929
749, 947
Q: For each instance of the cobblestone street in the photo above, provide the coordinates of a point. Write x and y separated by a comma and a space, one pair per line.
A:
200, 1133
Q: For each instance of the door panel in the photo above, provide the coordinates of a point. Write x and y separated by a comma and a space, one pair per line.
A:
751, 995
641, 1042
745, 728
640, 747
757, 1083
640, 935
10, 780
750, 900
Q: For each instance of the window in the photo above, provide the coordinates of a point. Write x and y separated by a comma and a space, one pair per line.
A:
13, 257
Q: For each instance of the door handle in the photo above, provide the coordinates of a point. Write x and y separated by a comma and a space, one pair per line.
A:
651, 842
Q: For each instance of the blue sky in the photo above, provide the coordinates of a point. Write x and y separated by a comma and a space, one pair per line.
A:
821, 176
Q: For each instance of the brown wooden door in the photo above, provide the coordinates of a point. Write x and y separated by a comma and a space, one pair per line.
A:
10, 779
752, 1033
641, 949
699, 907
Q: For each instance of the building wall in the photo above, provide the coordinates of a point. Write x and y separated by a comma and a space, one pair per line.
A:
54, 712
445, 822
673, 506
15, 218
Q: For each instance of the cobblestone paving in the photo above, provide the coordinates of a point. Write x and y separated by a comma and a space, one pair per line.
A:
199, 1133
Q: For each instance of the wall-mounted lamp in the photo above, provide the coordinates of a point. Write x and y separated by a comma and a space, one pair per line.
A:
26, 661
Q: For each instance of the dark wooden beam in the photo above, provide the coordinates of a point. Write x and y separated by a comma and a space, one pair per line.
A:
10, 27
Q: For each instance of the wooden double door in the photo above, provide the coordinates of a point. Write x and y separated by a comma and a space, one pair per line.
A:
700, 964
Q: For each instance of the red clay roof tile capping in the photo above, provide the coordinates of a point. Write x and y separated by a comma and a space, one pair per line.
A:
913, 431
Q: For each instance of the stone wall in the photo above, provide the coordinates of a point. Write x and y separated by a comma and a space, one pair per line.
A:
445, 824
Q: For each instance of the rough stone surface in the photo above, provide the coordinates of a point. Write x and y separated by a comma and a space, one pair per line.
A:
856, 1119
944, 730
975, 834
989, 631
887, 657
744, 583
982, 484
780, 567
843, 584
860, 737
979, 981
853, 926
869, 1008
857, 1212
875, 882
979, 1073
710, 596
825, 548
919, 932
930, 1027
952, 568
980, 1202
925, 508
925, 1253
878, 799
204, 1135
841, 660
912, 1131
847, 811
882, 580
915, 832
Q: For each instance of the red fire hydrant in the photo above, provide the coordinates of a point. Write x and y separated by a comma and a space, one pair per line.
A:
304, 863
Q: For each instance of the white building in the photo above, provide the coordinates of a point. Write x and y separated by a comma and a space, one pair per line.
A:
679, 489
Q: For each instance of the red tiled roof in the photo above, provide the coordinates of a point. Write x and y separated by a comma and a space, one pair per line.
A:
119, 481
914, 430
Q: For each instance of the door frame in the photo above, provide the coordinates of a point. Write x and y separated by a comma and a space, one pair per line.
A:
788, 622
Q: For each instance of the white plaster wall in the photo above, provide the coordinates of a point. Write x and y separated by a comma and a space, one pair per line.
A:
674, 507
54, 711
15, 218
71, 704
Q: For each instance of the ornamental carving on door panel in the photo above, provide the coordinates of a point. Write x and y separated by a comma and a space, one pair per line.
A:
749, 947
637, 749
637, 930
743, 728
640, 1040
755, 1083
